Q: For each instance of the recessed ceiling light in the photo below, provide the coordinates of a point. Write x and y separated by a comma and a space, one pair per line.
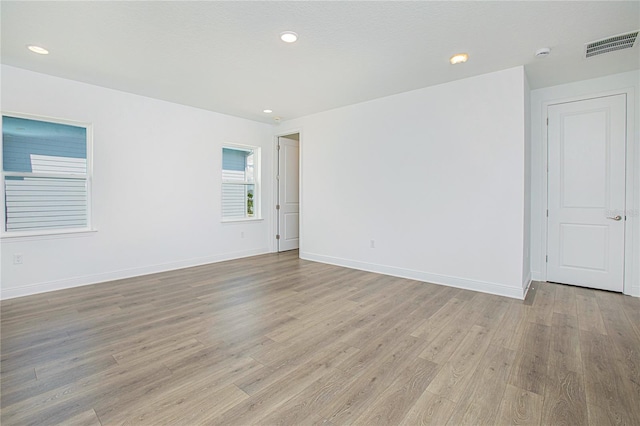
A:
38, 49
289, 37
267, 111
459, 58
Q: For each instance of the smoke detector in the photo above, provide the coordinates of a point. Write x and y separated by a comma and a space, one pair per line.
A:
610, 44
543, 52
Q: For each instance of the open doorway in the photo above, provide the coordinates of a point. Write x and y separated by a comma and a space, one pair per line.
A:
288, 193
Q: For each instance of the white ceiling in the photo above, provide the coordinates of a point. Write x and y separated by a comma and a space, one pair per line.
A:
227, 56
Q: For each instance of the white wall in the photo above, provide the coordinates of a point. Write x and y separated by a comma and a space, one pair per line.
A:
629, 83
156, 187
526, 256
435, 176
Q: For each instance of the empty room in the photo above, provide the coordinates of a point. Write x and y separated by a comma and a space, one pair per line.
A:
344, 212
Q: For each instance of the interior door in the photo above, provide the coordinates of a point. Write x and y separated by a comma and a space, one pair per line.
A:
586, 192
288, 194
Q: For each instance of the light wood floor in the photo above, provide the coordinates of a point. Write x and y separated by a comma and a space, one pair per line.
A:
277, 340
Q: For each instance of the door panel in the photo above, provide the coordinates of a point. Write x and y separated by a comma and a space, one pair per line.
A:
586, 186
291, 228
584, 246
288, 194
582, 150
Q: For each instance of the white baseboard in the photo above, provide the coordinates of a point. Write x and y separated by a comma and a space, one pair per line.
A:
10, 293
464, 283
525, 285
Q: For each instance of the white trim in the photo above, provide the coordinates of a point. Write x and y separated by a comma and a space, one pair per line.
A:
10, 293
463, 283
238, 147
242, 219
48, 119
88, 176
632, 203
275, 224
49, 234
273, 242
257, 180
632, 221
526, 284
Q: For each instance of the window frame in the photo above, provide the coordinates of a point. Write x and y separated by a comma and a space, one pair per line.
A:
257, 173
88, 176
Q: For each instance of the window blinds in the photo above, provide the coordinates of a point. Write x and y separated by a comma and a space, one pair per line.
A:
236, 183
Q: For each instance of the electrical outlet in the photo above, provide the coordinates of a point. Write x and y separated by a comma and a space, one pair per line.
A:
17, 259
241, 234
372, 244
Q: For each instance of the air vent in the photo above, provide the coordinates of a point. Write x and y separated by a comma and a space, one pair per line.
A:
610, 44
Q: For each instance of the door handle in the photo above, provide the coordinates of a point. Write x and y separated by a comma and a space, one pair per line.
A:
618, 217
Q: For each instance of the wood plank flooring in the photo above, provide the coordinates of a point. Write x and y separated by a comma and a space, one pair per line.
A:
275, 340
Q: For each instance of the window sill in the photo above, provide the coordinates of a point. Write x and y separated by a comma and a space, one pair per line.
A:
243, 219
50, 234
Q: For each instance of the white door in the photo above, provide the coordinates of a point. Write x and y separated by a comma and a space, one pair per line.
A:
288, 207
586, 192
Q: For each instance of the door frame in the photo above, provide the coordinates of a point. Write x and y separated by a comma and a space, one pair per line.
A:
632, 225
274, 225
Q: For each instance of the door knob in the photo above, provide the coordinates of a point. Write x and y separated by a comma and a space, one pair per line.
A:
618, 217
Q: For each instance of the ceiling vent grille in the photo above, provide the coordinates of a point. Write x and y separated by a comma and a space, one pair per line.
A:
610, 44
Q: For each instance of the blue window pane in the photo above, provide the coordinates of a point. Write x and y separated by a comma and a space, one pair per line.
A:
234, 159
23, 138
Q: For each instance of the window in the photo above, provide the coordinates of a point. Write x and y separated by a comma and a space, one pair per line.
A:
45, 175
240, 192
